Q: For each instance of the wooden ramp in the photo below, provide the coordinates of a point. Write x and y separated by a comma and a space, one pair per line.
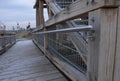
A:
25, 62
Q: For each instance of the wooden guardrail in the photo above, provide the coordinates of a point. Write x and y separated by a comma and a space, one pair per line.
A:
7, 39
102, 56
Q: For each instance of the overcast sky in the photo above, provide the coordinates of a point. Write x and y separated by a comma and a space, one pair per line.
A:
13, 11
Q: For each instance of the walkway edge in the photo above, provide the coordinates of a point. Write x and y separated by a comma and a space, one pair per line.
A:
69, 71
6, 48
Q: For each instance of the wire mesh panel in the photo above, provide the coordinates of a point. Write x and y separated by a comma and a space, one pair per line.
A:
60, 46
64, 3
39, 38
7, 40
1, 42
13, 39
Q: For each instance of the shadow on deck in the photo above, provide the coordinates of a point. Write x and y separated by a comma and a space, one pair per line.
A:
25, 62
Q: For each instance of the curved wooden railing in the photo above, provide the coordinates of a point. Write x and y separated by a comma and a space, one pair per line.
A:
7, 39
87, 55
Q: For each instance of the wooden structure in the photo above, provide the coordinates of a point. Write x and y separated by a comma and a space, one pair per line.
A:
102, 51
27, 65
7, 39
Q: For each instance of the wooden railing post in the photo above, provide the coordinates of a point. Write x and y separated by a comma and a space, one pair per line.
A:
45, 39
39, 13
117, 57
102, 50
10, 38
3, 41
37, 17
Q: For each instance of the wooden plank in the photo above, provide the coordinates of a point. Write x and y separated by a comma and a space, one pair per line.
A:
39, 13
37, 17
52, 6
45, 39
79, 45
108, 2
71, 72
76, 9
41, 16
29, 64
102, 49
67, 69
117, 2
93, 49
77, 41
107, 42
117, 57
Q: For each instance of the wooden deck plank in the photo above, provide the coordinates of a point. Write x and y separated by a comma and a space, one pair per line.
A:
25, 62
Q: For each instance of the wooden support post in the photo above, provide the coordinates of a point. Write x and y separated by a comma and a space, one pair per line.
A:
37, 17
45, 40
11, 39
102, 49
117, 57
93, 50
4, 41
41, 11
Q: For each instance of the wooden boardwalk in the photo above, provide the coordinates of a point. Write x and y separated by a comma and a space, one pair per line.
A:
25, 62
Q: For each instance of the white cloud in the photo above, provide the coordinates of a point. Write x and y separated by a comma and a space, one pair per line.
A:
13, 11
24, 3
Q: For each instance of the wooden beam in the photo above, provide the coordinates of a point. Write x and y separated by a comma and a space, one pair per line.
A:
79, 45
102, 49
117, 57
108, 2
52, 6
117, 2
78, 42
37, 4
76, 9
107, 44
41, 12
93, 49
37, 17
50, 13
66, 68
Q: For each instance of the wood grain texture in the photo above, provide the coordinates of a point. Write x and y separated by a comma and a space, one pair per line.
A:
117, 57
93, 53
25, 62
71, 72
102, 49
107, 48
76, 9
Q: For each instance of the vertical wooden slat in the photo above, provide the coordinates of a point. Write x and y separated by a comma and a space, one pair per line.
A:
41, 12
107, 48
45, 39
37, 17
102, 49
117, 57
110, 2
93, 52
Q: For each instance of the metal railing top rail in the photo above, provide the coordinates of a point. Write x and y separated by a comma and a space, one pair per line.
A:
75, 29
